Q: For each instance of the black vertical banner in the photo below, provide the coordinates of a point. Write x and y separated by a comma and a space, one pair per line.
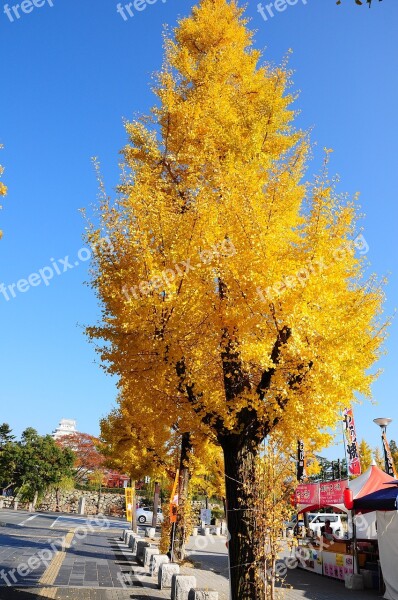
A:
300, 460
388, 460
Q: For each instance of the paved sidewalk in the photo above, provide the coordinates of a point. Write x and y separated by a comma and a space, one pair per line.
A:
101, 567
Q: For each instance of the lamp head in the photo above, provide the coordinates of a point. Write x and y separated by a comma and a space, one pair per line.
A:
382, 422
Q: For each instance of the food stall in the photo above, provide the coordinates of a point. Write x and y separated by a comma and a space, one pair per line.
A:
334, 557
340, 557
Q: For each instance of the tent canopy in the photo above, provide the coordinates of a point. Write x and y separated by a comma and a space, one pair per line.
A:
383, 499
313, 496
372, 480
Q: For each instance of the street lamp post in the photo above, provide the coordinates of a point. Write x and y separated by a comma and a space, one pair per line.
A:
382, 422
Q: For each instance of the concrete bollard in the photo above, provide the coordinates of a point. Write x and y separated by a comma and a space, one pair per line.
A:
354, 582
207, 530
133, 541
202, 595
195, 531
82, 505
217, 530
127, 535
141, 545
181, 586
134, 547
1, 503
150, 532
166, 572
156, 561
148, 553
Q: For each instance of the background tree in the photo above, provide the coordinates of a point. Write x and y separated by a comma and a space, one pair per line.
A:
365, 455
87, 456
30, 466
360, 2
275, 483
151, 445
232, 292
394, 453
9, 456
5, 434
379, 458
41, 463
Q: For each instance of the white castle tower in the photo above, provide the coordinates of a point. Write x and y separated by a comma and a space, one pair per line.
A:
65, 427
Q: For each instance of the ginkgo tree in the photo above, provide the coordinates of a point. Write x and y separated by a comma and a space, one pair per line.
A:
232, 292
144, 442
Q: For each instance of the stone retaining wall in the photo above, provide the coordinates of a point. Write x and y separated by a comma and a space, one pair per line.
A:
110, 504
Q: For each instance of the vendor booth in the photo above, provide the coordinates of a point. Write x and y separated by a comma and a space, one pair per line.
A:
334, 558
358, 548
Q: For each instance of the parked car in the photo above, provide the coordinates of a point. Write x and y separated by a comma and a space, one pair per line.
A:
145, 515
317, 521
293, 524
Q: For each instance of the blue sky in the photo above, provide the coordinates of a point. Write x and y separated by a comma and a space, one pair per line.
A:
70, 73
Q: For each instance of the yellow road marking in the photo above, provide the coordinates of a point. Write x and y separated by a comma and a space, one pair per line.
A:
51, 573
47, 592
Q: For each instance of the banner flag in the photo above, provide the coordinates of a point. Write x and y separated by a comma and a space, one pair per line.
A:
388, 460
300, 461
174, 499
128, 492
354, 463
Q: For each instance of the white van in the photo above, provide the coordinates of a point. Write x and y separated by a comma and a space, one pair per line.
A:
317, 520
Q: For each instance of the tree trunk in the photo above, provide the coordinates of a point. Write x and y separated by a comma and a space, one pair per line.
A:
155, 505
180, 533
240, 478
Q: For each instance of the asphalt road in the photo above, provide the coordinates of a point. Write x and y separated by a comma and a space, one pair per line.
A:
39, 550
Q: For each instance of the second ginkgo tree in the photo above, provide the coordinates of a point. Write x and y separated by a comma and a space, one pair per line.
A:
232, 293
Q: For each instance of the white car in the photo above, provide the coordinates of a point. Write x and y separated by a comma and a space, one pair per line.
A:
316, 521
145, 515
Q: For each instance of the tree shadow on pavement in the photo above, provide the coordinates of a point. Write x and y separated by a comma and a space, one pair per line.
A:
311, 586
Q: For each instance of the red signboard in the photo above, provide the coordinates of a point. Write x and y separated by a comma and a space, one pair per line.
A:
332, 492
327, 493
307, 493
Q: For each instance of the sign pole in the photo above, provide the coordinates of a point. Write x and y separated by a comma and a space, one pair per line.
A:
173, 512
